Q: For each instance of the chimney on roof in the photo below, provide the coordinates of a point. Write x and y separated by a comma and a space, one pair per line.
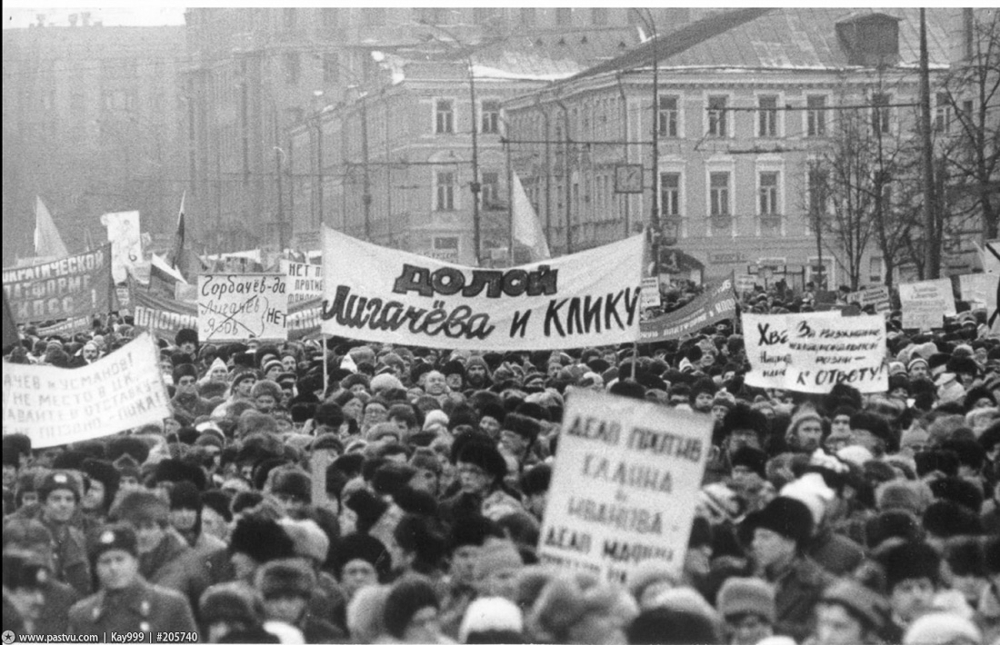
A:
870, 39
72, 19
85, 16
40, 17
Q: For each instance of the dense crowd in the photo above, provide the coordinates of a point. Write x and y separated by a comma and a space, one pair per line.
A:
342, 491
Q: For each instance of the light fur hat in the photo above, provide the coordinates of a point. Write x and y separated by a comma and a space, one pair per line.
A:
942, 628
811, 490
490, 614
857, 455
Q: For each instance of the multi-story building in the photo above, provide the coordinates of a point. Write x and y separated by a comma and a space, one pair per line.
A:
747, 103
258, 77
91, 124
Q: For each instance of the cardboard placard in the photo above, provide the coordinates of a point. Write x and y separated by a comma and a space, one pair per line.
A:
241, 306
925, 304
765, 338
827, 350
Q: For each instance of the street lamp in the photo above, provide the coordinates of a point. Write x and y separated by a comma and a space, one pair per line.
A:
475, 185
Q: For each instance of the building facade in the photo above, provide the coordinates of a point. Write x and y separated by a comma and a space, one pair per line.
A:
91, 124
748, 104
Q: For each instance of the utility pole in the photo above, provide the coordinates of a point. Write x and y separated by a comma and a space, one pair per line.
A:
654, 213
475, 186
932, 253
366, 198
277, 174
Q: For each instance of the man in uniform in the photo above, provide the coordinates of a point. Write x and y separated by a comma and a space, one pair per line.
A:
126, 602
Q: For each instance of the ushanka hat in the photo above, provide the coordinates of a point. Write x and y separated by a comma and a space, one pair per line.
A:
783, 515
113, 537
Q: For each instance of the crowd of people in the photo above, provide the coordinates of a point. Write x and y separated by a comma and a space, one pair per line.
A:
341, 491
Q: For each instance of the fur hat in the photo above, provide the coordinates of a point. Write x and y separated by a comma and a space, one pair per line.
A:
669, 626
872, 607
783, 515
265, 386
186, 335
497, 616
497, 554
361, 546
485, 456
127, 467
175, 470
368, 508
876, 425
261, 539
230, 602
57, 480
254, 422
522, 425
182, 370
751, 458
141, 506
912, 496
894, 523
739, 596
565, 600
911, 560
811, 490
536, 479
112, 537
15, 445
293, 482
383, 382
134, 446
941, 628
184, 494
743, 417
285, 577
408, 596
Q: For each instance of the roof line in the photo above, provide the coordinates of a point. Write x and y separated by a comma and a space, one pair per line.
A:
670, 44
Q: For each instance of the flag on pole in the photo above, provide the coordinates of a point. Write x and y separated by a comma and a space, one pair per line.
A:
176, 258
10, 335
48, 243
527, 230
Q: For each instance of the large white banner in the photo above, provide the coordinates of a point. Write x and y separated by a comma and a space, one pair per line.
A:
925, 304
765, 338
241, 306
56, 406
126, 242
377, 294
624, 488
825, 350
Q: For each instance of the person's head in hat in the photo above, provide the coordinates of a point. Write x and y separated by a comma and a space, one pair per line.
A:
286, 586
185, 510
411, 611
872, 431
148, 513
187, 341
480, 468
114, 556
743, 426
518, 433
185, 377
103, 487
747, 607
777, 534
805, 430
242, 384
59, 496
293, 488
266, 395
359, 561
255, 541
24, 583
912, 573
850, 613
229, 608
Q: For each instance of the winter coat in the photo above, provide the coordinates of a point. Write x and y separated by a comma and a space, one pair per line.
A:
59, 598
798, 588
139, 607
69, 548
189, 407
175, 565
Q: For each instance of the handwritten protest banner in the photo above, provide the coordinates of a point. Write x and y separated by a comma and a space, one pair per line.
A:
303, 279
384, 295
624, 488
79, 285
56, 406
926, 303
826, 350
745, 283
126, 242
877, 297
715, 304
765, 338
240, 306
650, 293
980, 289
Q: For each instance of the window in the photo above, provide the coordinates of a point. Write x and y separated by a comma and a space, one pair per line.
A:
491, 117
331, 68
292, 68
444, 119
564, 16
330, 17
289, 19
717, 116
881, 117
767, 194
527, 16
767, 116
942, 113
599, 16
719, 194
816, 116
491, 191
445, 191
668, 116
670, 194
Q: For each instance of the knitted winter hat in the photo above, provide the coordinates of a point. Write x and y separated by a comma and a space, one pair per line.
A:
803, 414
740, 596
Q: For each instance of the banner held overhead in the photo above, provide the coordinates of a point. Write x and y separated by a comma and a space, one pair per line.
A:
241, 306
384, 295
79, 285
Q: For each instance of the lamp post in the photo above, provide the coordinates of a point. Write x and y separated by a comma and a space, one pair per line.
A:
474, 186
